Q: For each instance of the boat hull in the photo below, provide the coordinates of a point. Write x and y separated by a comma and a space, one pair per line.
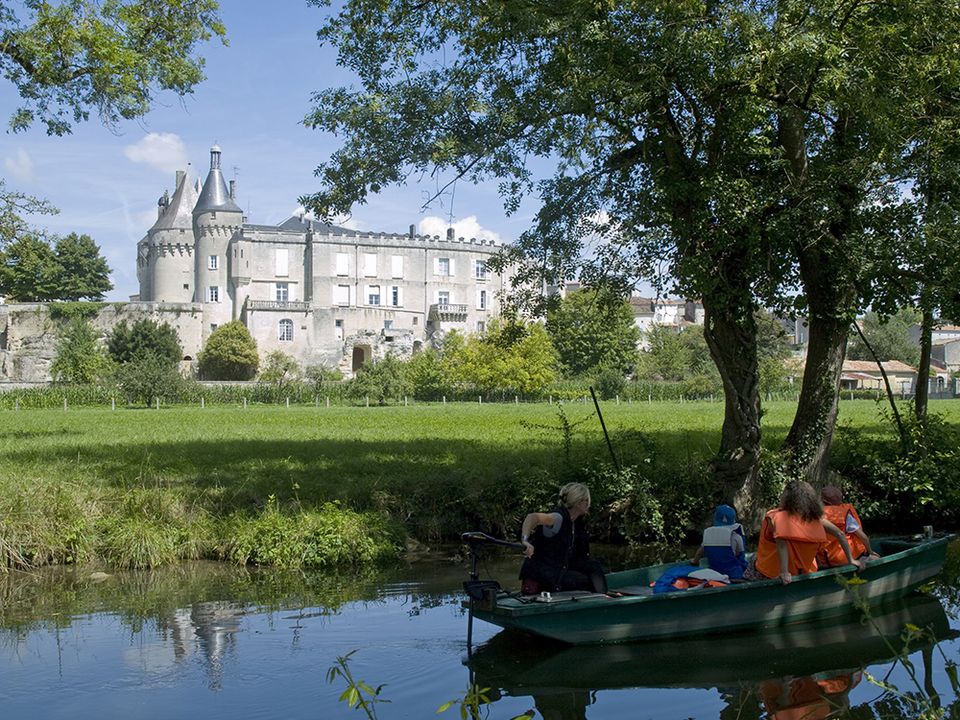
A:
591, 619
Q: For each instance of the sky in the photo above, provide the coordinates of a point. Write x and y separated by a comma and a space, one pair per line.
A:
106, 181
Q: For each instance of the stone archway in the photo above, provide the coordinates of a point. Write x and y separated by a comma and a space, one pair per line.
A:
361, 354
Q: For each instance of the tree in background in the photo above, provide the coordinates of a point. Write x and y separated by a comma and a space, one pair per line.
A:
148, 377
889, 337
428, 375
591, 330
773, 353
79, 359
385, 379
144, 337
13, 207
511, 357
279, 369
84, 273
230, 354
66, 59
29, 271
72, 269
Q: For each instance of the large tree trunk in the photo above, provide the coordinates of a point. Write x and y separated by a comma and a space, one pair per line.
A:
732, 339
921, 393
808, 442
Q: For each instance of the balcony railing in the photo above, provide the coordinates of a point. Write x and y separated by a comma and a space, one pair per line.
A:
288, 306
448, 312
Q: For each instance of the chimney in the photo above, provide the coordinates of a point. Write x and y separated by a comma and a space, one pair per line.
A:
233, 189
413, 231
450, 234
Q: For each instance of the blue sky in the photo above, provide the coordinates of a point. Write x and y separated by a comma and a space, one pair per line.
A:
106, 182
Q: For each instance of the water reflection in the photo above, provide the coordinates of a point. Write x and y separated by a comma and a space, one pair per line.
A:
207, 629
790, 673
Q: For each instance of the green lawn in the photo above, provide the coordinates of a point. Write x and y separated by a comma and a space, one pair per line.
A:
431, 467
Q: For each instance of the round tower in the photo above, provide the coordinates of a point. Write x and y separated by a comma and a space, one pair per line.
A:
165, 257
216, 219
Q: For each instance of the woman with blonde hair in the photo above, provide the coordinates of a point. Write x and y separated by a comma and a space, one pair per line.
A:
792, 534
557, 547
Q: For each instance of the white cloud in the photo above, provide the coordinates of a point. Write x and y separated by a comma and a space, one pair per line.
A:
20, 166
164, 151
467, 227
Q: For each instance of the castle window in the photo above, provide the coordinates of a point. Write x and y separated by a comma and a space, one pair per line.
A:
285, 330
213, 294
283, 262
186, 286
481, 326
481, 299
395, 296
480, 269
415, 320
369, 265
282, 292
396, 266
343, 264
341, 295
443, 297
213, 262
373, 294
443, 267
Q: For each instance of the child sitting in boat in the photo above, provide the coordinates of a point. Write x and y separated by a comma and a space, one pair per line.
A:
845, 517
724, 544
792, 534
557, 547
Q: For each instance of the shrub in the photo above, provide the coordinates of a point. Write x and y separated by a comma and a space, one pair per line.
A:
230, 354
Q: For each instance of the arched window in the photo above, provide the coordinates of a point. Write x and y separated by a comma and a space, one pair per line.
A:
285, 331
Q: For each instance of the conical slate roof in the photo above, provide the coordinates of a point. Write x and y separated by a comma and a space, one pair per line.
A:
179, 213
214, 195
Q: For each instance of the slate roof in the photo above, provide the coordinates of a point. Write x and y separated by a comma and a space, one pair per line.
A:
179, 213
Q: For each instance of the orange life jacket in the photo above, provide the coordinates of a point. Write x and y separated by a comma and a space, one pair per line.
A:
803, 537
831, 554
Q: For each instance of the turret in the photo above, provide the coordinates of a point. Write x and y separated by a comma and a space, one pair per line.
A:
165, 257
216, 219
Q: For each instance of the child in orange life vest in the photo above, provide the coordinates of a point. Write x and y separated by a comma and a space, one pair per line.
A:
791, 536
724, 544
845, 517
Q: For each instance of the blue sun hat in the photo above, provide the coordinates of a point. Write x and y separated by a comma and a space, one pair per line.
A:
724, 515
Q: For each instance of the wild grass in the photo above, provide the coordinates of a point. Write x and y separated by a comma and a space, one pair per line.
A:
310, 485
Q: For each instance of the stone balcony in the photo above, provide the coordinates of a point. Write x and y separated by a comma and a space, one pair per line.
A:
448, 312
278, 305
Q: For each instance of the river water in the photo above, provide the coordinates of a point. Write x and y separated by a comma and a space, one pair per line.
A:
212, 641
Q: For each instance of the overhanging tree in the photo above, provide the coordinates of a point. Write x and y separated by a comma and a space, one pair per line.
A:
737, 141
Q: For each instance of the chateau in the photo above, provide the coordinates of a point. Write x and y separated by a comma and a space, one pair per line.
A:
325, 295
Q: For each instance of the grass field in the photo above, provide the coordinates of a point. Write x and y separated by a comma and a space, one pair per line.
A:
144, 487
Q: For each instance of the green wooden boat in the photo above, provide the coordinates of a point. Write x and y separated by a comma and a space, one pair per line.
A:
513, 665
631, 612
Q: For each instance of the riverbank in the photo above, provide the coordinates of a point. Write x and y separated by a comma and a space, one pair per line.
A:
324, 487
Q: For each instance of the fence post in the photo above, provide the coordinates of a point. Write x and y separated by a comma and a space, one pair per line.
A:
244, 403
444, 399
113, 404
516, 400
157, 402
550, 400
16, 403
368, 401
203, 402
650, 398
618, 399
404, 400
288, 402
328, 401
64, 403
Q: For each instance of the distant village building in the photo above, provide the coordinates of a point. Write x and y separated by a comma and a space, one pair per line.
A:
664, 312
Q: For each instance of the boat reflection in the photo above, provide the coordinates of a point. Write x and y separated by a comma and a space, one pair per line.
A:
803, 671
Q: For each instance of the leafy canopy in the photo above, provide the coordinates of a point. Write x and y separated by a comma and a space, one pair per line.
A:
69, 58
143, 338
592, 330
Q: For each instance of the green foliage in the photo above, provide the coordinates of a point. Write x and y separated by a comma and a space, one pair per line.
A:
230, 354
889, 337
279, 369
79, 359
428, 376
75, 310
592, 330
382, 380
358, 695
84, 272
66, 59
321, 378
144, 337
14, 208
674, 355
328, 537
148, 377
610, 383
31, 270
28, 270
